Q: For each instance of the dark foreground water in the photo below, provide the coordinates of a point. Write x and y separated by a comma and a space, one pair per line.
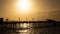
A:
30, 28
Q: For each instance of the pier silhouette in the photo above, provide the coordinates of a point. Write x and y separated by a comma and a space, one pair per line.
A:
29, 27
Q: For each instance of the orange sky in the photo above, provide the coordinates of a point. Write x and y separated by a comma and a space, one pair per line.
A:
40, 9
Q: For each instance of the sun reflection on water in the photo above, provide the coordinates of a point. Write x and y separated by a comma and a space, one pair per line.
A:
26, 31
25, 25
25, 28
22, 31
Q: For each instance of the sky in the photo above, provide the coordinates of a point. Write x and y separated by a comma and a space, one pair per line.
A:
39, 10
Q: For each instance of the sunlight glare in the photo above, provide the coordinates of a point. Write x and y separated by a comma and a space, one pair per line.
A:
23, 6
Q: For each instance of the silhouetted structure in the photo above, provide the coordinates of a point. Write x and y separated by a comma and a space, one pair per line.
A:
33, 27
6, 19
1, 20
50, 21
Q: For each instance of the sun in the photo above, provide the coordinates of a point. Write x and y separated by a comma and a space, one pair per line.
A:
23, 6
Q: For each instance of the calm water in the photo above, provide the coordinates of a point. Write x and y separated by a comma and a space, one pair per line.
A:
28, 28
